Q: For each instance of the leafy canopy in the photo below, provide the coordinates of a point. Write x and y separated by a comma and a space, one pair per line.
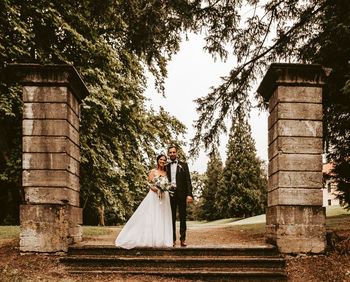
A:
111, 43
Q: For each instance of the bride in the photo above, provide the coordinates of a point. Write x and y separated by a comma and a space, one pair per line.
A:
151, 223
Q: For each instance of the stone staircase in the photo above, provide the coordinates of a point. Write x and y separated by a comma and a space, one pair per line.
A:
261, 263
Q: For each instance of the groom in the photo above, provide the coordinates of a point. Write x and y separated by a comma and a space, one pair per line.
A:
179, 177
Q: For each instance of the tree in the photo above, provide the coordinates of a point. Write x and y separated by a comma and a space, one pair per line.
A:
194, 208
11, 193
210, 187
260, 32
334, 53
110, 43
242, 187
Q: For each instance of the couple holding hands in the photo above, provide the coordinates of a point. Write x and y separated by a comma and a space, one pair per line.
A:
153, 222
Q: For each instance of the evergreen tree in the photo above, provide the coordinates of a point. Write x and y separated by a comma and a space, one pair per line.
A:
212, 176
263, 32
242, 187
111, 42
334, 53
194, 208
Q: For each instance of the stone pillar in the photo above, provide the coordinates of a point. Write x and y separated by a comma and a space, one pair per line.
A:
295, 218
50, 218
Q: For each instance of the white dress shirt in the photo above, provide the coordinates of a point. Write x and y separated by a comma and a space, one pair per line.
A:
173, 167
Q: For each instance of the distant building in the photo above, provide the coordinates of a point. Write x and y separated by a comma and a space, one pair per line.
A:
330, 191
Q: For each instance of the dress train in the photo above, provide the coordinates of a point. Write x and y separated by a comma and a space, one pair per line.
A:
150, 225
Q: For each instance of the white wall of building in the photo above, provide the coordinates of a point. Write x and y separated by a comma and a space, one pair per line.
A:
330, 194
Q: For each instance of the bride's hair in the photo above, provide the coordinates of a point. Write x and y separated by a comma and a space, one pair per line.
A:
159, 156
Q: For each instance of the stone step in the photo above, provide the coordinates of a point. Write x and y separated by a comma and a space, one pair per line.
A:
185, 262
266, 250
197, 274
241, 263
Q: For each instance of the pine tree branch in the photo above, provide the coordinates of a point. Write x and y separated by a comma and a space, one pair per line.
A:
218, 98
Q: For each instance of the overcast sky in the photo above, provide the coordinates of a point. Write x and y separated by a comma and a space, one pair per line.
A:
191, 73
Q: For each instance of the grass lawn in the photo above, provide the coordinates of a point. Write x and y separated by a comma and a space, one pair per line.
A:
91, 231
9, 232
251, 225
212, 223
337, 219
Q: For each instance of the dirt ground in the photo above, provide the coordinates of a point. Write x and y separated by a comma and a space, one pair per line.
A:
197, 236
333, 266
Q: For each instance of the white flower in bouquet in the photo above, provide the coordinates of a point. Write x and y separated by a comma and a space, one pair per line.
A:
162, 184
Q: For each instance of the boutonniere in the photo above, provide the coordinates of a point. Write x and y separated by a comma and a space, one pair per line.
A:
180, 166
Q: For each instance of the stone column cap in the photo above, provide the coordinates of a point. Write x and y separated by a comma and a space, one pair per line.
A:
50, 74
291, 74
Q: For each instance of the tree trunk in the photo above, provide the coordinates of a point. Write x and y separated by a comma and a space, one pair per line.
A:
101, 215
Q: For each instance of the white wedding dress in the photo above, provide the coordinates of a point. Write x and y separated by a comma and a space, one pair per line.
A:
150, 225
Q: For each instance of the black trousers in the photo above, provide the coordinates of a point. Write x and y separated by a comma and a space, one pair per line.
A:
179, 202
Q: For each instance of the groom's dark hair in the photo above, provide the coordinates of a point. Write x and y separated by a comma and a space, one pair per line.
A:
172, 146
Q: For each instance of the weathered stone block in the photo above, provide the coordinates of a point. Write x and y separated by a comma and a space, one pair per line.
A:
295, 196
76, 234
56, 161
75, 221
49, 227
48, 75
75, 215
286, 224
50, 178
295, 215
295, 179
295, 128
44, 228
270, 231
297, 230
45, 94
299, 94
51, 195
73, 103
295, 162
301, 244
294, 145
50, 111
50, 128
306, 230
295, 111
50, 144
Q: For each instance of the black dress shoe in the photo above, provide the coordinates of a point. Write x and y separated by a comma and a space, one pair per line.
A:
183, 244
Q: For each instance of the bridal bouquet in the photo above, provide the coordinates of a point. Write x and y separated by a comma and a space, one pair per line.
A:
162, 184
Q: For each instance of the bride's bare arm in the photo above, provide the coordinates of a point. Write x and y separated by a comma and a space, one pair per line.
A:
150, 177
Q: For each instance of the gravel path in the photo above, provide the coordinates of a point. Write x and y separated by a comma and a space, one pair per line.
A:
197, 236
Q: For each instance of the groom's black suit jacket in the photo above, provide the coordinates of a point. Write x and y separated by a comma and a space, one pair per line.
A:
183, 179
